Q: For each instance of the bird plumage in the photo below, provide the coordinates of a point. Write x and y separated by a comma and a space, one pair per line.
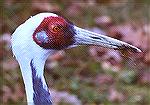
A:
44, 34
25, 50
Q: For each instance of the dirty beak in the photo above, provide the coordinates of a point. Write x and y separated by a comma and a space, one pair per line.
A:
85, 37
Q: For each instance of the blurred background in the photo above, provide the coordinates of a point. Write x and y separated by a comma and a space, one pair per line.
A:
86, 75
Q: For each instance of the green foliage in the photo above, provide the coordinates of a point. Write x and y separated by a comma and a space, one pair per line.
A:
127, 77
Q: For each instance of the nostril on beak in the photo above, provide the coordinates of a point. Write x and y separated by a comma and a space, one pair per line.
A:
95, 37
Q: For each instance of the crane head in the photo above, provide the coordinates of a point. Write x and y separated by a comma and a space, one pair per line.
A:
47, 31
55, 32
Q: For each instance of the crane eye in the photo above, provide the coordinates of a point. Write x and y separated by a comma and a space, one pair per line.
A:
56, 28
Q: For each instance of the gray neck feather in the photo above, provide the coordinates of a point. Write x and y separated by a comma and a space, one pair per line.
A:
41, 95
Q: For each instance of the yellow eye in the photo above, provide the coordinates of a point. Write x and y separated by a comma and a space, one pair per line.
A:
56, 28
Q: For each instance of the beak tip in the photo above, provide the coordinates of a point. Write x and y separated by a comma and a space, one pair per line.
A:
139, 51
136, 50
132, 48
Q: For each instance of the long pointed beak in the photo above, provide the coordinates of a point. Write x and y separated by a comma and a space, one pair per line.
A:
85, 37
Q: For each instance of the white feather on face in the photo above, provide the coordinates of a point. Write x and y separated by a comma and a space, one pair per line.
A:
22, 41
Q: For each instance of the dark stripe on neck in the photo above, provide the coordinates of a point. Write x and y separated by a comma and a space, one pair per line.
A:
41, 96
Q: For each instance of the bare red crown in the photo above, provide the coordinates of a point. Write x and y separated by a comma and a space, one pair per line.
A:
54, 33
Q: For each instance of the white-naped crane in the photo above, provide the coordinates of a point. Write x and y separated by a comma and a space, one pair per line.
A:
43, 35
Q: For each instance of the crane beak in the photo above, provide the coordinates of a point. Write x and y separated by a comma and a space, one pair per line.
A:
85, 37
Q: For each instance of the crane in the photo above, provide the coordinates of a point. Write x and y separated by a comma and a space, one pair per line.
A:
44, 34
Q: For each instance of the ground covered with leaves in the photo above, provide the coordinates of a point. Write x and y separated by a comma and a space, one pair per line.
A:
85, 75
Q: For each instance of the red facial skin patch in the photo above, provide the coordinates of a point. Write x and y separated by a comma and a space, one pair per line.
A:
58, 33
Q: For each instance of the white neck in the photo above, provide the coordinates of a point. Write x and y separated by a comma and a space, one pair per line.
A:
33, 69
31, 58
26, 50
